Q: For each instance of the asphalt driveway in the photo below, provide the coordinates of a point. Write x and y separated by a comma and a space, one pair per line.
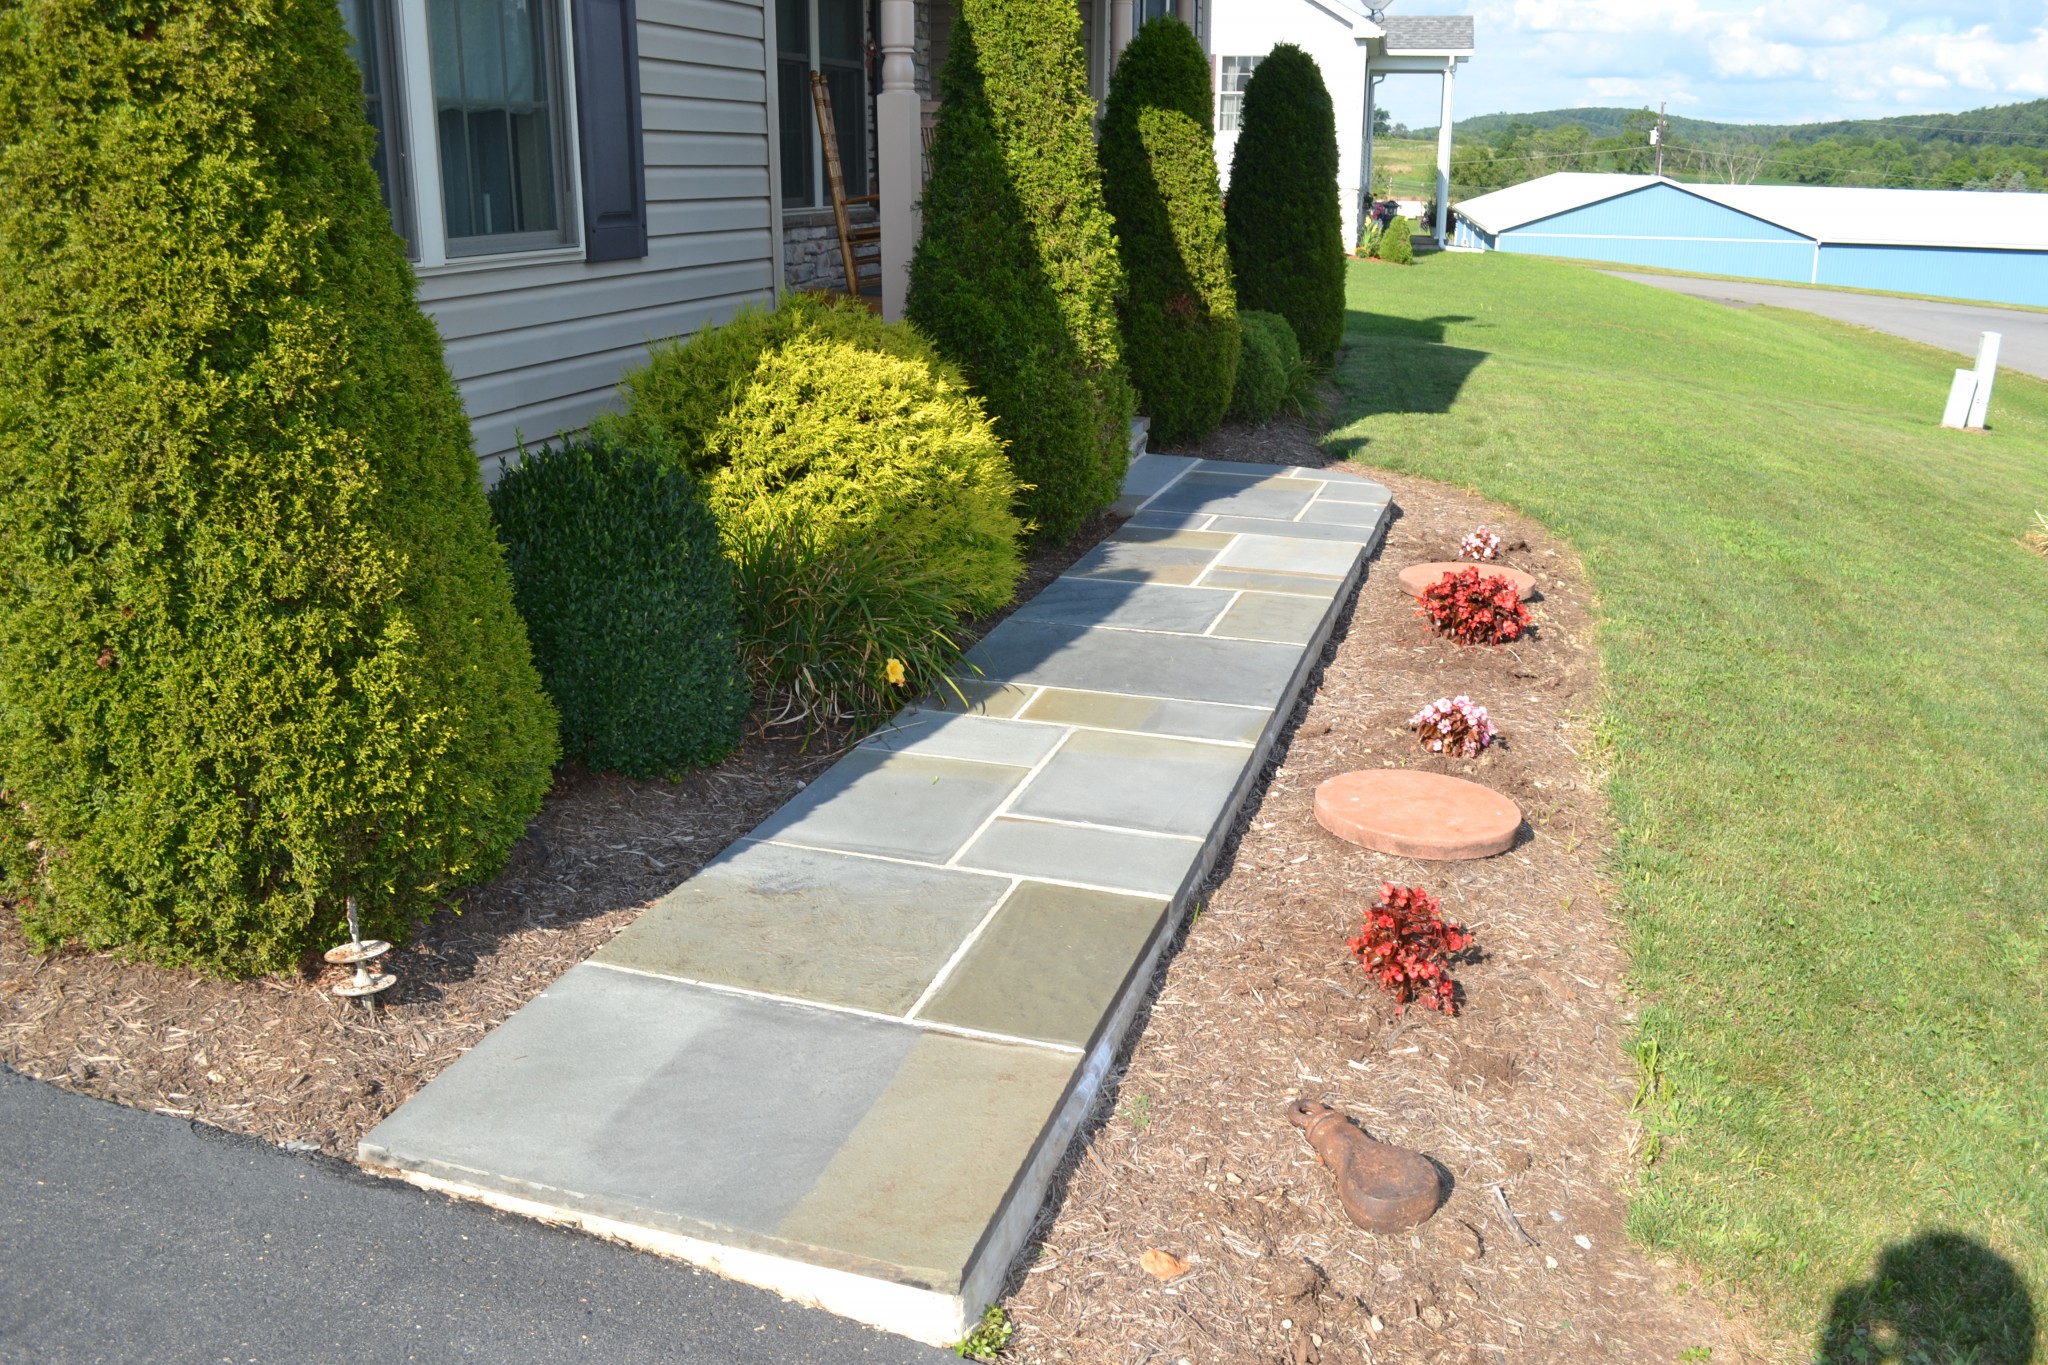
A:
1951, 326
133, 1237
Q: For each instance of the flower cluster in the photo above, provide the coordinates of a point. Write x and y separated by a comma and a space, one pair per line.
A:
1457, 726
1407, 947
1481, 544
1474, 610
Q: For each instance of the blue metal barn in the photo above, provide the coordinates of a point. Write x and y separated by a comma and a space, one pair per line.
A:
1947, 243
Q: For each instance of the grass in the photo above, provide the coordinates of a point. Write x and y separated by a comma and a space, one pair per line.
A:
1410, 164
1826, 730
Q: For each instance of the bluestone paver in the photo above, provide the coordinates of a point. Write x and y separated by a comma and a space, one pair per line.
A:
845, 1059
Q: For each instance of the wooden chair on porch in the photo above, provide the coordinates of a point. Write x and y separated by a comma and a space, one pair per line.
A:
850, 237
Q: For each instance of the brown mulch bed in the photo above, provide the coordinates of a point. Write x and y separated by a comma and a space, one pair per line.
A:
1526, 1092
286, 1061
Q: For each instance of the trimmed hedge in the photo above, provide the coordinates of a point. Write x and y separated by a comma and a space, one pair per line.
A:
1397, 247
1016, 277
1266, 369
258, 650
687, 386
1285, 225
628, 600
1159, 181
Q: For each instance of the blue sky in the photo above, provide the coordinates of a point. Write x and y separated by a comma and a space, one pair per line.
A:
1743, 61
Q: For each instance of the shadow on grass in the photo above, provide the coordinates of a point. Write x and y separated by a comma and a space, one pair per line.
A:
1396, 365
1940, 1299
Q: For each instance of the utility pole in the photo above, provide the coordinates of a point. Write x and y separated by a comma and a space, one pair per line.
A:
1657, 139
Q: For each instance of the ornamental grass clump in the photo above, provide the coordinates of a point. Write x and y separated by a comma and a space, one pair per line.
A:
1474, 610
1480, 544
618, 571
1283, 219
1456, 726
1159, 181
258, 649
1408, 948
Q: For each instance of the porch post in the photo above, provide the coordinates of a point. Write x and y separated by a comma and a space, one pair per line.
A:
1443, 157
1119, 32
899, 152
1365, 180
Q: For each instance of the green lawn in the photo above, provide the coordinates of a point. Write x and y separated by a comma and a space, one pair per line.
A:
1827, 734
1411, 164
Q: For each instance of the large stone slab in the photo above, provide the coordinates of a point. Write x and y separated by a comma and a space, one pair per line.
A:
1191, 668
1144, 782
1125, 606
894, 805
1147, 715
1128, 861
1229, 495
830, 927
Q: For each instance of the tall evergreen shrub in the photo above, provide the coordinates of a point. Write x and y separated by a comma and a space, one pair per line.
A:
1285, 225
258, 650
618, 571
1159, 180
1016, 277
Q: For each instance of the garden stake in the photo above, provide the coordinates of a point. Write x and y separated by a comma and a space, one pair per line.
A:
359, 954
1383, 1188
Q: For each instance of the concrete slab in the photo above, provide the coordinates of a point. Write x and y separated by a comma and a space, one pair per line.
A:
1282, 617
1192, 668
1144, 561
1259, 580
1354, 489
1155, 864
830, 927
1232, 495
1294, 530
1182, 521
954, 734
1144, 782
1050, 964
1289, 555
1359, 516
1148, 715
1125, 606
894, 805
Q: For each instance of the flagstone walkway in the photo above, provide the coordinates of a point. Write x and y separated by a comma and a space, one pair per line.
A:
844, 1060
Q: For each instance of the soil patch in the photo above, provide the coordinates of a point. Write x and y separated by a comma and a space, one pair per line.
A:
284, 1060
1522, 1099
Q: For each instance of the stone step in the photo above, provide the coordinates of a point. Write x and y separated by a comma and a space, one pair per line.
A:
845, 1060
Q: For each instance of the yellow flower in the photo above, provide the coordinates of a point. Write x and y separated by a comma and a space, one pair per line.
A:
894, 671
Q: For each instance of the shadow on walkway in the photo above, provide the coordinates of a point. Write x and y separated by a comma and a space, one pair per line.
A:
1940, 1299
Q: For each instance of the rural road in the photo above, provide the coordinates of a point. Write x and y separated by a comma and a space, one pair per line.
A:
133, 1237
1951, 326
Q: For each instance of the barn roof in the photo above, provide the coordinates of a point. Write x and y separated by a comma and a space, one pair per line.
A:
1826, 213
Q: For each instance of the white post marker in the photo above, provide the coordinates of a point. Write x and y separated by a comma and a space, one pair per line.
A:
1987, 371
1961, 390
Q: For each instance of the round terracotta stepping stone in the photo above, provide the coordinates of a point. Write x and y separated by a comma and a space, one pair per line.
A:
1416, 577
1418, 815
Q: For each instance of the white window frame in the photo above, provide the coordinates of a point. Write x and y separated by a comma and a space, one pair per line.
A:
821, 195
1224, 94
422, 162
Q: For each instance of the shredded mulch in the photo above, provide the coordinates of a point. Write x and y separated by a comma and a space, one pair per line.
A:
1522, 1099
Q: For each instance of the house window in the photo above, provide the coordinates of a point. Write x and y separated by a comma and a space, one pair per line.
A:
829, 37
1148, 10
472, 103
1235, 74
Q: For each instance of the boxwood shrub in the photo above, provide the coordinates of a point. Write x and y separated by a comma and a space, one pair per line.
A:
1397, 247
1159, 180
258, 650
1016, 276
617, 568
1285, 225
1267, 367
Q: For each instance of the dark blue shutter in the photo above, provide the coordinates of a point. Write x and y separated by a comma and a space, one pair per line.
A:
608, 123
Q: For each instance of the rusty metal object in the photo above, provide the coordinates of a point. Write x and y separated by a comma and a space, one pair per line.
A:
1383, 1187
359, 953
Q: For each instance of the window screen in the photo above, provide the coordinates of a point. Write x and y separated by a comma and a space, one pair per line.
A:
497, 104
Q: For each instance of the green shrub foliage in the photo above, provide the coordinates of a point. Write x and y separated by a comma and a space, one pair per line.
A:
1016, 277
1398, 246
258, 650
1266, 370
617, 568
1285, 226
1159, 180
858, 444
688, 385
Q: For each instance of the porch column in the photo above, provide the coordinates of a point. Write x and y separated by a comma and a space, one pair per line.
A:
899, 151
1443, 156
1372, 86
1119, 33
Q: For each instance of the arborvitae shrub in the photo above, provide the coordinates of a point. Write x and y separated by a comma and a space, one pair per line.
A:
1265, 369
258, 651
859, 444
1285, 226
1016, 276
617, 568
688, 384
1159, 180
1398, 246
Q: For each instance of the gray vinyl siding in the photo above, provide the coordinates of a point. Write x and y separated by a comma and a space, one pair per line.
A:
538, 348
